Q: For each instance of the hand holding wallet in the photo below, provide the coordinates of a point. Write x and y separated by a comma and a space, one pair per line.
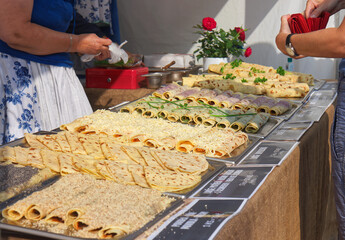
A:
299, 24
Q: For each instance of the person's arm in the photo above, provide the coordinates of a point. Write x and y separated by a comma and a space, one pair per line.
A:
17, 30
328, 42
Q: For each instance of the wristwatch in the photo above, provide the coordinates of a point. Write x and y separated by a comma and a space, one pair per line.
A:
289, 48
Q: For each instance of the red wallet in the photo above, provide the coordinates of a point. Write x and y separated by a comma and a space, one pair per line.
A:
299, 24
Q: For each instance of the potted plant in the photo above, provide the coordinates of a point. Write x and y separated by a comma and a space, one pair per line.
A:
218, 45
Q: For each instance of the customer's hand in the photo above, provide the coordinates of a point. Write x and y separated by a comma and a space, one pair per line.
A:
283, 33
314, 8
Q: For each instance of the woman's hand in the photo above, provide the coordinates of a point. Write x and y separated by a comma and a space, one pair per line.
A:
283, 33
91, 44
314, 8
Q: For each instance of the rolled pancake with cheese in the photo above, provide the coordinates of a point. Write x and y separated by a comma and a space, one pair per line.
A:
112, 232
58, 215
39, 211
16, 211
72, 214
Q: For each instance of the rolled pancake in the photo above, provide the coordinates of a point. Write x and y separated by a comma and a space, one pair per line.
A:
112, 232
280, 108
257, 122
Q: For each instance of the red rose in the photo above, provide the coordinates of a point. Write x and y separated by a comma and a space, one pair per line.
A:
242, 36
248, 52
209, 23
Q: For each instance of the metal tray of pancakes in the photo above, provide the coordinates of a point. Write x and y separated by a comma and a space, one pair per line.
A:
264, 130
33, 233
214, 166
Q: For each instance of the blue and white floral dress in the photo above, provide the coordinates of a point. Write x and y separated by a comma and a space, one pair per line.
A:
95, 11
40, 92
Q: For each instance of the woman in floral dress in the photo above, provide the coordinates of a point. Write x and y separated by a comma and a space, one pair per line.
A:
39, 89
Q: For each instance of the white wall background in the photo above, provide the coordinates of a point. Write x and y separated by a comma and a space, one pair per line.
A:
165, 26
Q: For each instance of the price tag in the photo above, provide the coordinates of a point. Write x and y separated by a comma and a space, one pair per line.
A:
201, 219
234, 182
269, 153
330, 86
322, 98
289, 131
308, 113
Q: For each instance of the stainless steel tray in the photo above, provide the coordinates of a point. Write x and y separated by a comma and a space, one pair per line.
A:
318, 83
271, 124
34, 232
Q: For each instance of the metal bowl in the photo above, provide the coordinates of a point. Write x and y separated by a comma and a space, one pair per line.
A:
156, 79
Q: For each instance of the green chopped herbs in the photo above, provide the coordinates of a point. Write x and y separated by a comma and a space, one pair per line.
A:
222, 69
255, 70
229, 76
260, 80
280, 71
236, 63
244, 80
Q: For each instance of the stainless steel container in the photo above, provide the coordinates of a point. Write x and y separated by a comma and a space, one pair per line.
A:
156, 79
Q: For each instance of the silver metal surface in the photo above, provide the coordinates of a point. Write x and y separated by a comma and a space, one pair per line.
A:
318, 83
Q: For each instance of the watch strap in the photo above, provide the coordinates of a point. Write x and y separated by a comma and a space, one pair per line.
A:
288, 44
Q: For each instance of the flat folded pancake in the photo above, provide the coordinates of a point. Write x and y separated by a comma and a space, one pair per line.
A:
148, 158
114, 152
9, 154
61, 139
66, 164
91, 145
49, 142
165, 180
134, 154
50, 160
120, 173
33, 142
76, 146
102, 169
34, 158
86, 164
138, 175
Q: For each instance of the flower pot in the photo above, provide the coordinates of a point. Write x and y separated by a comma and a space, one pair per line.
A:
208, 61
